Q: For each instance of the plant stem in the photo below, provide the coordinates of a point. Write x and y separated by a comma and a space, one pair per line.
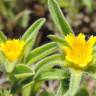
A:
74, 82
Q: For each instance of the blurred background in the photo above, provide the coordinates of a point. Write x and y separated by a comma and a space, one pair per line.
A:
17, 15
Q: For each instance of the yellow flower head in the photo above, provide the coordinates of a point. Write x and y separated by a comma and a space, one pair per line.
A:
12, 49
80, 50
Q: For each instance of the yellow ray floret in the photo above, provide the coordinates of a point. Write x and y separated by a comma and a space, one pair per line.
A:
80, 50
12, 49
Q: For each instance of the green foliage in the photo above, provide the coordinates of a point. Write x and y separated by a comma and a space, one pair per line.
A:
40, 52
75, 80
22, 19
54, 74
5, 93
32, 31
58, 18
63, 87
82, 92
23, 71
46, 93
2, 37
45, 62
24, 77
76, 74
48, 62
64, 3
9, 66
31, 34
29, 38
59, 40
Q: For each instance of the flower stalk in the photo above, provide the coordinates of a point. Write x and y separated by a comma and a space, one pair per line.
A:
75, 80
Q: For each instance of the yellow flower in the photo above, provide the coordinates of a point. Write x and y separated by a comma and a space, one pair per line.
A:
12, 49
80, 51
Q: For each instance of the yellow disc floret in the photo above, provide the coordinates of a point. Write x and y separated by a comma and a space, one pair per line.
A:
12, 49
80, 50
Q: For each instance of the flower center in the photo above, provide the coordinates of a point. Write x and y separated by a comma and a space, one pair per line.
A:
12, 49
80, 53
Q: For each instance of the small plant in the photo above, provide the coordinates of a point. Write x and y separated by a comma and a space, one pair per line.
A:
77, 53
17, 55
28, 66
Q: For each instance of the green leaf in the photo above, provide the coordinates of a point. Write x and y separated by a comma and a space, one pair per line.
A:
58, 18
59, 40
26, 91
82, 92
41, 52
23, 19
19, 84
16, 87
3, 38
46, 93
23, 71
63, 87
4, 92
30, 35
33, 28
35, 88
2, 57
54, 74
48, 62
91, 71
